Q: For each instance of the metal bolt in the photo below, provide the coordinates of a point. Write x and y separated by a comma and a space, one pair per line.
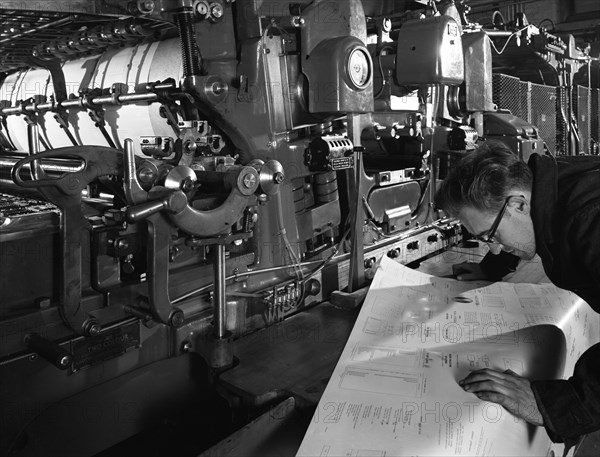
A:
186, 347
94, 330
65, 361
216, 10
189, 147
43, 302
202, 9
146, 6
278, 177
121, 243
187, 184
146, 175
217, 88
173, 253
177, 318
249, 180
387, 24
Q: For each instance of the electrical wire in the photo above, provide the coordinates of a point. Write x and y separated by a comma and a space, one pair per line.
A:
498, 13
383, 78
546, 20
507, 41
294, 258
332, 256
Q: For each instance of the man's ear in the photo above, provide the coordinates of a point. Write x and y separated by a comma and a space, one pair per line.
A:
521, 204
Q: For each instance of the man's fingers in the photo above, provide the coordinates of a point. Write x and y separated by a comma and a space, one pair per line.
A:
479, 375
488, 385
492, 396
511, 391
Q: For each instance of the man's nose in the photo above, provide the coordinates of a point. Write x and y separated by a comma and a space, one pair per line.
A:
495, 248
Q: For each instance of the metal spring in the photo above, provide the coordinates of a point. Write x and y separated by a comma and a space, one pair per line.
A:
189, 49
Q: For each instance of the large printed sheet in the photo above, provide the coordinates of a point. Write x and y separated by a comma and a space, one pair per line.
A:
394, 391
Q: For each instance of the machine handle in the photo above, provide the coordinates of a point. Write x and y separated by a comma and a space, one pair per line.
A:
49, 350
174, 202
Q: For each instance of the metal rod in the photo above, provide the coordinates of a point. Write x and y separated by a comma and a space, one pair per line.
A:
78, 103
48, 165
34, 148
60, 22
219, 302
498, 33
312, 263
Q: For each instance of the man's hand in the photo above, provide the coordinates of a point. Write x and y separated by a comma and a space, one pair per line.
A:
468, 271
507, 389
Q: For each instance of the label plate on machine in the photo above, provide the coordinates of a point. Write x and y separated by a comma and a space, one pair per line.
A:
109, 344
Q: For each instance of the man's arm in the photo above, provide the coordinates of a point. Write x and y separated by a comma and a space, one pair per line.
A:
572, 407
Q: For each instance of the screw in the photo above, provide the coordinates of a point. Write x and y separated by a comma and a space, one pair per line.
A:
278, 177
249, 180
121, 243
186, 347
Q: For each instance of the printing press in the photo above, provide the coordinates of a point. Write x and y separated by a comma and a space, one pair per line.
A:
179, 178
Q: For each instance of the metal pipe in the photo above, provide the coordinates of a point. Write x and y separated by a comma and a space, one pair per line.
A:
219, 302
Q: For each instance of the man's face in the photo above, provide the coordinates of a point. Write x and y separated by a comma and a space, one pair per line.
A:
515, 230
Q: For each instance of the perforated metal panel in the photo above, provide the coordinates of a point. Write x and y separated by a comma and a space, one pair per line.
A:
595, 118
581, 107
511, 94
543, 112
545, 107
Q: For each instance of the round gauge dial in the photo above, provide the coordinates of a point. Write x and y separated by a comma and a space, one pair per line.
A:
359, 68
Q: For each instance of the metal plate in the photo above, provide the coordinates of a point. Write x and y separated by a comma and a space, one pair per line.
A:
107, 345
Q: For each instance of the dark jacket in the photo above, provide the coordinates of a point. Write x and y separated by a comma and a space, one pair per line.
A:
565, 209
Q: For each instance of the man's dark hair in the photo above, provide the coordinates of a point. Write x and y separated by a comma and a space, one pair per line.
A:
483, 179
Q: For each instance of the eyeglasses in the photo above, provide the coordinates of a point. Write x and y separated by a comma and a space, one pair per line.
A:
488, 235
